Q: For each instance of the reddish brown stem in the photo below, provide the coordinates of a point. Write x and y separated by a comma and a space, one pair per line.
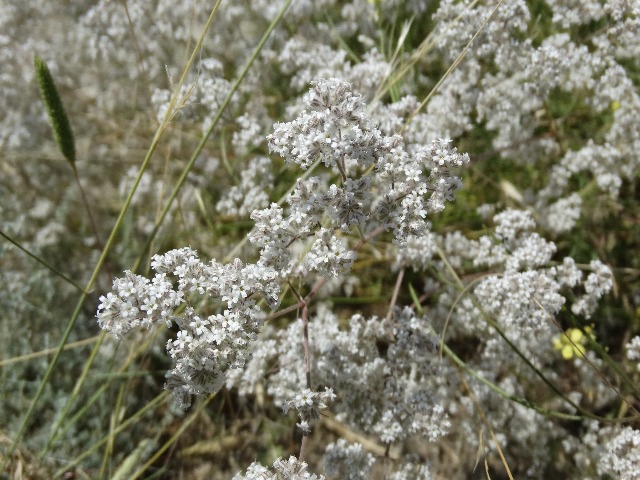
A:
303, 446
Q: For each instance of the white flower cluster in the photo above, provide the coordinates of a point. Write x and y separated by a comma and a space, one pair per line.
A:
137, 302
328, 255
275, 234
198, 100
290, 469
633, 350
457, 23
514, 100
598, 283
418, 251
575, 12
602, 161
308, 60
251, 194
528, 291
347, 461
527, 300
335, 130
562, 215
550, 86
206, 346
381, 370
621, 457
308, 404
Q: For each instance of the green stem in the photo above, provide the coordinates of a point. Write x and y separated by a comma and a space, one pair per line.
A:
92, 221
131, 420
42, 262
174, 437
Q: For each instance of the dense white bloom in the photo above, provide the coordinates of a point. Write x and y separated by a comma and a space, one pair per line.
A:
558, 96
382, 372
459, 21
598, 283
251, 194
527, 300
328, 255
601, 160
334, 128
562, 215
568, 273
308, 60
575, 12
621, 456
511, 222
308, 404
418, 252
348, 461
633, 350
204, 348
249, 135
527, 293
513, 246
291, 469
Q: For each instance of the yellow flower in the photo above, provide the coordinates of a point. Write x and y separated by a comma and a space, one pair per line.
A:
572, 342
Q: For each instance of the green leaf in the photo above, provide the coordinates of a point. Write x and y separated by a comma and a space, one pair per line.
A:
57, 115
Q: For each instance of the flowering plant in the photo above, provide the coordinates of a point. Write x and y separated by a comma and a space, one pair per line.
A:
409, 228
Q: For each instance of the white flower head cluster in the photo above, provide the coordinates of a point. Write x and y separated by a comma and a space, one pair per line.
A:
308, 404
205, 347
418, 251
199, 100
328, 255
527, 292
347, 460
562, 215
382, 371
511, 222
380, 180
290, 469
633, 351
575, 12
526, 300
621, 457
138, 302
388, 391
598, 283
514, 246
251, 194
334, 128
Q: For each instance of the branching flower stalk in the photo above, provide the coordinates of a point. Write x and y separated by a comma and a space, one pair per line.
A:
382, 188
335, 128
